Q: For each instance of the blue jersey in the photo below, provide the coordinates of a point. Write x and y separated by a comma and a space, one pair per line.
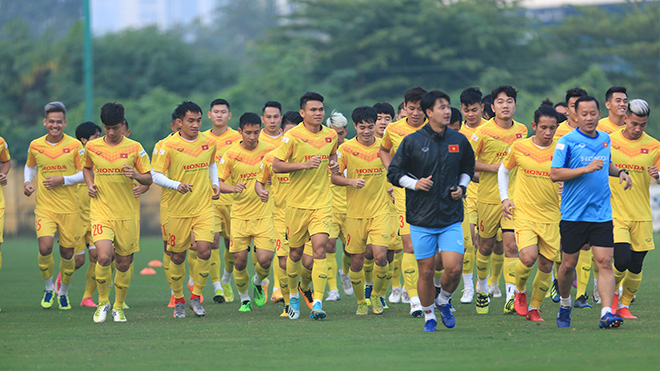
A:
587, 197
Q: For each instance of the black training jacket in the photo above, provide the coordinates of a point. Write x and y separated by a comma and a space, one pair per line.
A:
426, 152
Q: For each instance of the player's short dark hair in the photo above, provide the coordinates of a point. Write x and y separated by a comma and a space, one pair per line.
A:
547, 102
55, 106
249, 118
575, 92
310, 96
384, 108
291, 118
186, 106
174, 115
126, 123
506, 89
364, 114
487, 102
545, 111
470, 96
586, 98
400, 108
219, 102
272, 103
112, 114
561, 104
615, 89
429, 99
414, 95
456, 116
87, 129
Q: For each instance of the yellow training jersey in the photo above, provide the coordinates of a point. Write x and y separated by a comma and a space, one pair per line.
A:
4, 157
491, 143
165, 193
188, 162
562, 129
473, 187
114, 200
338, 197
536, 196
222, 144
392, 138
239, 165
280, 183
309, 188
275, 142
606, 125
61, 159
636, 157
363, 162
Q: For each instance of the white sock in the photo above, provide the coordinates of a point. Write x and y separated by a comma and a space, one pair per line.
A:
605, 310
217, 285
532, 308
468, 281
226, 277
515, 291
565, 302
294, 296
171, 292
191, 281
369, 284
64, 289
415, 300
317, 301
596, 284
244, 296
443, 297
429, 313
510, 289
50, 286
482, 285
256, 280
436, 281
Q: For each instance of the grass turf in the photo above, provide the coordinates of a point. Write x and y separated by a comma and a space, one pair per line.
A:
34, 338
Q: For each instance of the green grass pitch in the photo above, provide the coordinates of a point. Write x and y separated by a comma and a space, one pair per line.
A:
34, 338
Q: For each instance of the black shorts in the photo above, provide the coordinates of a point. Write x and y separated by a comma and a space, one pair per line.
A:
574, 235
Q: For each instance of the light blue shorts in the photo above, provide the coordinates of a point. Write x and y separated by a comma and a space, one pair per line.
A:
427, 241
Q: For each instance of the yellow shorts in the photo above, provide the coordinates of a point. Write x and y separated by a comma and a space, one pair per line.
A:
304, 223
470, 210
545, 235
123, 234
395, 236
279, 231
490, 220
2, 224
67, 226
222, 220
404, 227
338, 227
163, 222
244, 231
308, 250
180, 229
375, 231
639, 234
467, 236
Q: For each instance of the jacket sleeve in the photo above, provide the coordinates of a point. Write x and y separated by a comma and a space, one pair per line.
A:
399, 164
467, 161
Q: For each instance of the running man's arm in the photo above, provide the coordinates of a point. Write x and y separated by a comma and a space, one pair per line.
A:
622, 175
280, 166
4, 170
92, 190
28, 174
385, 156
397, 175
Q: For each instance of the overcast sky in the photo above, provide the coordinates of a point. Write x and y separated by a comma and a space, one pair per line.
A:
549, 3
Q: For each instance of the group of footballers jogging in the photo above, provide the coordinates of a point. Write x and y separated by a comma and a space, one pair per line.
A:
424, 198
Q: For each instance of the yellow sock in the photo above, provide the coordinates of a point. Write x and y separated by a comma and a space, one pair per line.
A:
410, 275
201, 275
113, 267
192, 261
630, 286
583, 270
468, 258
510, 270
261, 272
618, 277
122, 281
103, 277
438, 273
540, 286
166, 268
320, 277
241, 279
345, 263
331, 262
522, 273
594, 266
482, 263
357, 279
555, 266
293, 274
67, 267
254, 256
496, 265
396, 270
368, 271
284, 284
46, 265
305, 278
380, 280
390, 274
229, 261
214, 266
177, 274
90, 281
276, 276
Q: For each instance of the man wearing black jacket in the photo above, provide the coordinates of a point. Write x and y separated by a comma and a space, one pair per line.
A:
435, 165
